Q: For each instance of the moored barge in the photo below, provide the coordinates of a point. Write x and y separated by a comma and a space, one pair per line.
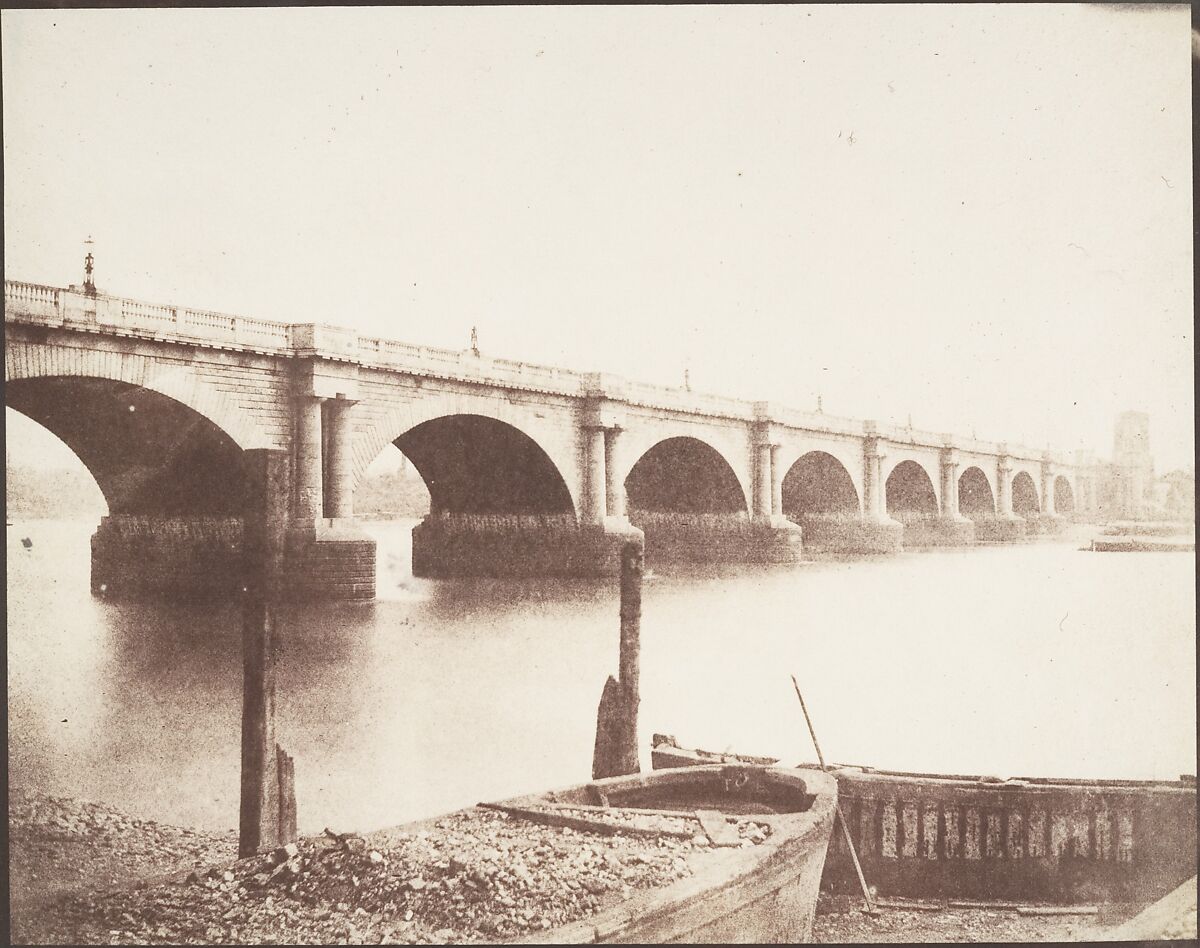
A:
924, 835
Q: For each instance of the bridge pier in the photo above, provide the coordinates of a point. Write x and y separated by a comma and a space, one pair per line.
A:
1050, 522
138, 556
999, 529
849, 533
1006, 526
327, 554
446, 545
702, 538
951, 528
876, 532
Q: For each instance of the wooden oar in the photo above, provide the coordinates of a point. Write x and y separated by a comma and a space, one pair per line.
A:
837, 805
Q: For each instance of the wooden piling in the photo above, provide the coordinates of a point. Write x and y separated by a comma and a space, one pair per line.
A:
616, 751
267, 816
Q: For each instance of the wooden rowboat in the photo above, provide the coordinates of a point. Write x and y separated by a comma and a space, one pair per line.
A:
1033, 838
761, 893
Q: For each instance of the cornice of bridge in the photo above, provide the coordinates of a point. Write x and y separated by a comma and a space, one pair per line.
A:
73, 308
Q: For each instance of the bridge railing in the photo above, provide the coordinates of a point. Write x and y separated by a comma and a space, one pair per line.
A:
49, 305
816, 420
31, 298
461, 363
977, 446
680, 399
905, 434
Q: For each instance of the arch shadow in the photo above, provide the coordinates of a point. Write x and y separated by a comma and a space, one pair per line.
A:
818, 486
1064, 496
975, 499
1024, 496
686, 476
909, 493
149, 454
473, 464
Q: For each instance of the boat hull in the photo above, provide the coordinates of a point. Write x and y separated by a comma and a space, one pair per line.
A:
1034, 839
767, 893
1023, 839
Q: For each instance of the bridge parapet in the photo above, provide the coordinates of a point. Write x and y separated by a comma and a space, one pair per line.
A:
685, 400
816, 421
77, 308
465, 365
906, 434
976, 446
31, 299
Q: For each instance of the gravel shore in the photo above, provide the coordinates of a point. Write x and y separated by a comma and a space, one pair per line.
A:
85, 873
476, 876
834, 925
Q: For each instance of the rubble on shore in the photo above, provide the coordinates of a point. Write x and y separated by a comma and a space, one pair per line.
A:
59, 845
841, 920
475, 876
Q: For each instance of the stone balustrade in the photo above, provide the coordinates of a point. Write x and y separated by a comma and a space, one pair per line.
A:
77, 308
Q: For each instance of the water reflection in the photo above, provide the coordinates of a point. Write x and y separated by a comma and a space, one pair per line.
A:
1036, 659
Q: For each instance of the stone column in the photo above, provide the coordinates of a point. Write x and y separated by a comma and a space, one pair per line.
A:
614, 486
310, 500
1047, 491
339, 490
1004, 487
872, 489
876, 532
776, 483
949, 473
595, 505
762, 480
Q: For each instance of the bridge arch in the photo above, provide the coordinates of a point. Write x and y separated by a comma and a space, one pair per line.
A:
1064, 496
818, 486
975, 497
150, 454
25, 361
529, 437
1024, 495
910, 493
473, 464
683, 474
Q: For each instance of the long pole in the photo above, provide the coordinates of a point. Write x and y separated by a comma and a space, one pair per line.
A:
837, 805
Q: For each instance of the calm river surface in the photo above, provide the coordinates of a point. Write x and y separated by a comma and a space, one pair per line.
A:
1036, 659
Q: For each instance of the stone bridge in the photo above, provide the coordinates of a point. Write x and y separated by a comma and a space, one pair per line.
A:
531, 470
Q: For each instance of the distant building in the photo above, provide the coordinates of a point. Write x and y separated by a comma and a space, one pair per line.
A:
1127, 488
1173, 496
1126, 479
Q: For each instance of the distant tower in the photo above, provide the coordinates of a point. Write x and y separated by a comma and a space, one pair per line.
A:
820, 408
1132, 461
687, 381
474, 341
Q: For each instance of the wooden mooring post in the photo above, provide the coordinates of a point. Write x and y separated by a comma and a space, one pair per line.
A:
268, 798
616, 752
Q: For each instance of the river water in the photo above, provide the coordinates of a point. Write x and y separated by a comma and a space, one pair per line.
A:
1035, 659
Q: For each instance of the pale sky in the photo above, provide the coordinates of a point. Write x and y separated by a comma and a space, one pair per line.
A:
979, 216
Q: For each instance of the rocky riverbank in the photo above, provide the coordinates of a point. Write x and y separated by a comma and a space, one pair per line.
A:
477, 876
839, 923
85, 873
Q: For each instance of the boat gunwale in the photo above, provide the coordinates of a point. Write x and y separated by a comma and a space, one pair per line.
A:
854, 772
769, 863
